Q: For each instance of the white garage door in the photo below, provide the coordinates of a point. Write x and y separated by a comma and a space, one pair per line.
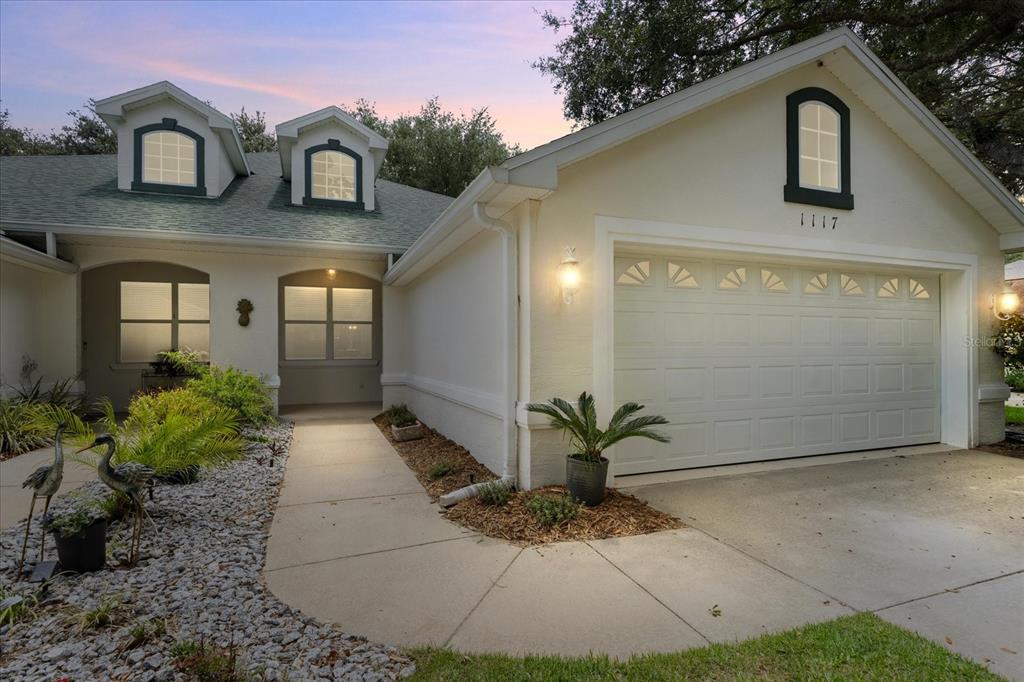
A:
752, 360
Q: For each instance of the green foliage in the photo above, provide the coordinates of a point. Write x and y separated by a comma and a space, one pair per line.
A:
585, 438
252, 128
860, 647
19, 428
494, 493
102, 615
231, 388
156, 406
145, 631
401, 415
552, 510
84, 133
1015, 378
77, 518
204, 663
437, 150
17, 606
961, 59
442, 468
171, 442
1009, 341
1014, 415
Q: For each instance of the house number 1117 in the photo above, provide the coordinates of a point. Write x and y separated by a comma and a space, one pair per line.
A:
823, 221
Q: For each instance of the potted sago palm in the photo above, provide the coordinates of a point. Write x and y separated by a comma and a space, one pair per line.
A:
586, 468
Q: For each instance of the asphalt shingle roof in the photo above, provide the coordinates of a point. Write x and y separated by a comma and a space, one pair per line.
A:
82, 190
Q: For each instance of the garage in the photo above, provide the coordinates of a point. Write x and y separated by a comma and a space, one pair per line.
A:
754, 359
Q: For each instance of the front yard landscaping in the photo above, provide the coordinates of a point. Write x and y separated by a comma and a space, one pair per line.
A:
522, 517
860, 647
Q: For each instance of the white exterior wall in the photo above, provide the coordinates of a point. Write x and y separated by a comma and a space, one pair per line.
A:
725, 167
218, 168
319, 134
443, 346
38, 312
235, 275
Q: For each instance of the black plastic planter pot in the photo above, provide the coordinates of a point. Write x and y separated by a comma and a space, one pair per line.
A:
585, 480
85, 552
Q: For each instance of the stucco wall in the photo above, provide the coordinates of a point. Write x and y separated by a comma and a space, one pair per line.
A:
319, 134
725, 167
38, 315
443, 348
219, 171
235, 274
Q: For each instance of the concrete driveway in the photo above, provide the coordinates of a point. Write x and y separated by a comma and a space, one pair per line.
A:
932, 542
355, 540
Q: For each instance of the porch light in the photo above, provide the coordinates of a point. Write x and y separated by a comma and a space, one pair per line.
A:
569, 275
1006, 304
331, 272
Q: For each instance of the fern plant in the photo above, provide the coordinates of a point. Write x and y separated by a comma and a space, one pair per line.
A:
173, 442
586, 439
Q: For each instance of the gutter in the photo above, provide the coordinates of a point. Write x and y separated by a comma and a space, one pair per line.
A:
511, 266
12, 250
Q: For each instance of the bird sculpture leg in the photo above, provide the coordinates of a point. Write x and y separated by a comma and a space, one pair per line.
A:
133, 555
24, 544
42, 540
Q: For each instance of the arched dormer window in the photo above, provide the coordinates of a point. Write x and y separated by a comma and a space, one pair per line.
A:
817, 149
169, 158
334, 176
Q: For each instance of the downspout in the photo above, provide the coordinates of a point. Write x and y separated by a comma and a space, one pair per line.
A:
511, 296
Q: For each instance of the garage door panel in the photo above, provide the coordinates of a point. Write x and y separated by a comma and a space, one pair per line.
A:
761, 362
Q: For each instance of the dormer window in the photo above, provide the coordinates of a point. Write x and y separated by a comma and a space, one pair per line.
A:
169, 158
334, 176
817, 149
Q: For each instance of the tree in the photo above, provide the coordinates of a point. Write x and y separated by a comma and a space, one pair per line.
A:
252, 128
434, 149
964, 59
15, 141
85, 133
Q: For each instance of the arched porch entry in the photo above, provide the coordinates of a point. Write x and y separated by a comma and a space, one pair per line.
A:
329, 337
130, 312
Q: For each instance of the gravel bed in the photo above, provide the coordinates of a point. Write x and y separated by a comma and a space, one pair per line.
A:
200, 572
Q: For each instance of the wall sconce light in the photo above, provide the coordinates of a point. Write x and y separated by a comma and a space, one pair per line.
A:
1006, 304
331, 272
569, 275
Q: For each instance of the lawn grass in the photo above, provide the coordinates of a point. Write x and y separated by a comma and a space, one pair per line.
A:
1014, 415
860, 647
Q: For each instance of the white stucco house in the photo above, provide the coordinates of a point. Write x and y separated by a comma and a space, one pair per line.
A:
793, 258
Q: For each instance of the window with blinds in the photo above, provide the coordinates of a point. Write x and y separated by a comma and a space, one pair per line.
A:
159, 316
322, 323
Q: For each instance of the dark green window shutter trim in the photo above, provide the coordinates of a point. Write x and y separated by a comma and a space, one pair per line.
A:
334, 145
169, 124
793, 192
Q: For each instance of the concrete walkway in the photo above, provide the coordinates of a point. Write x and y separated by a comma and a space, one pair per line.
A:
14, 500
933, 542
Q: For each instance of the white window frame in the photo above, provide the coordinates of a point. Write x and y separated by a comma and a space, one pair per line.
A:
833, 137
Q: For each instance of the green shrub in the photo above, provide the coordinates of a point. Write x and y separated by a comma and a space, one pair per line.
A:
19, 427
174, 442
156, 406
552, 510
230, 387
1015, 378
494, 493
442, 468
401, 415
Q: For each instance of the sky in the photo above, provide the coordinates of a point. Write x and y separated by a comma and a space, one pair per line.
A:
286, 59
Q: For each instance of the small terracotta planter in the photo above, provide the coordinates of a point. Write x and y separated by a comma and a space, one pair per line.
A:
404, 433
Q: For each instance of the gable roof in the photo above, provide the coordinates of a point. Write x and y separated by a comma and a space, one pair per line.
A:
78, 195
852, 62
289, 131
841, 51
112, 110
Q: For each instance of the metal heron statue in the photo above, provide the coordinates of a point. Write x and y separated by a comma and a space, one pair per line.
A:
45, 482
129, 478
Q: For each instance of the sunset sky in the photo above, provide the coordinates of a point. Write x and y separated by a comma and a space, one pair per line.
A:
286, 59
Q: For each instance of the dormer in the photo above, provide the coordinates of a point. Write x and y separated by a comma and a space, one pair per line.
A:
169, 142
330, 159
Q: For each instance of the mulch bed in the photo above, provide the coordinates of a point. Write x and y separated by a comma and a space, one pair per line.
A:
618, 516
1008, 447
424, 453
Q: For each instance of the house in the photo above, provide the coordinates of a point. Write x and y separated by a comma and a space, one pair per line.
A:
793, 258
1013, 273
